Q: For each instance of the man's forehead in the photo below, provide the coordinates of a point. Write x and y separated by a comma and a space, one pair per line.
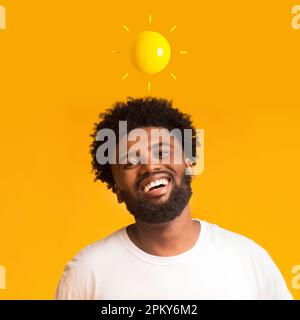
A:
154, 135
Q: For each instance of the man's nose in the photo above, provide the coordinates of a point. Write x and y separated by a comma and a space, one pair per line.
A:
149, 163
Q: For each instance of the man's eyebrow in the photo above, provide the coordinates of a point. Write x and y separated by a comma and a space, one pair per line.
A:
160, 144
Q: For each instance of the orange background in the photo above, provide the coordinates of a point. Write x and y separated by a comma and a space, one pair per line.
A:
239, 80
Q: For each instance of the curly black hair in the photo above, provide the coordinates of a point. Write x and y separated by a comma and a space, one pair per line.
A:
138, 112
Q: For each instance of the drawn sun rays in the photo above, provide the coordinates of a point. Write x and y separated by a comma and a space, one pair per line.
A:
150, 52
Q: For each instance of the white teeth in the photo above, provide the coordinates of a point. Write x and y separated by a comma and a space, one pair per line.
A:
155, 183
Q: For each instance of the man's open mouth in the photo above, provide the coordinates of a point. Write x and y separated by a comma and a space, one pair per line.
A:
155, 184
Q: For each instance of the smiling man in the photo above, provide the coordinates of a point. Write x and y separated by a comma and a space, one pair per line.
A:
165, 254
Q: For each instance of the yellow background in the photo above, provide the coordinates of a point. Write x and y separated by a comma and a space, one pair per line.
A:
239, 80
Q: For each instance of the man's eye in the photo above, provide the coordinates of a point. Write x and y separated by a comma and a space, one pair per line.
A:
131, 163
163, 154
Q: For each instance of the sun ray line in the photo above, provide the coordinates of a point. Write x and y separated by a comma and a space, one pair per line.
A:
150, 18
125, 76
183, 52
126, 28
149, 85
173, 76
173, 28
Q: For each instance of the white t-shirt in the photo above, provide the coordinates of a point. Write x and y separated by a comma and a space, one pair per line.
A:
221, 265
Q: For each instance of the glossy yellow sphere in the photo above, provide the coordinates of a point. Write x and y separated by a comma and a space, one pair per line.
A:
150, 52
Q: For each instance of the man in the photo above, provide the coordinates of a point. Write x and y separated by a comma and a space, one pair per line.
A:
165, 254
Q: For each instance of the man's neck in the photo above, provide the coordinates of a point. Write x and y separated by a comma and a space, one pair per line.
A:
166, 239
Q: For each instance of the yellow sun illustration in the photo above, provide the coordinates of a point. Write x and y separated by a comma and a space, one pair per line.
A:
150, 52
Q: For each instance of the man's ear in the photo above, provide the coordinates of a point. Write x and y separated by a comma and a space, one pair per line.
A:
116, 190
189, 167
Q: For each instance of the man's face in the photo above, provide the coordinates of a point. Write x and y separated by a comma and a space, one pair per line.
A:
153, 191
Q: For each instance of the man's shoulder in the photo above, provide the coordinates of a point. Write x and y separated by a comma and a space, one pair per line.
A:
236, 250
244, 256
228, 240
102, 245
92, 255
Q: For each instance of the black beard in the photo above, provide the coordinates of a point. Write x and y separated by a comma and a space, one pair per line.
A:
146, 211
